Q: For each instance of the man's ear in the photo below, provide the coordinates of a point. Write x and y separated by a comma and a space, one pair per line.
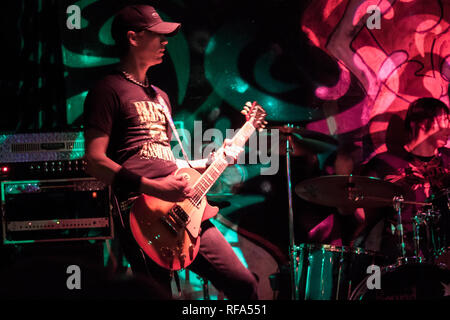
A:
132, 38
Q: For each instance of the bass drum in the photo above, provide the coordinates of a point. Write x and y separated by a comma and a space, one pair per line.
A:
415, 281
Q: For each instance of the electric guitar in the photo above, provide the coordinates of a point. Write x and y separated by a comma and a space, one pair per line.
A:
168, 232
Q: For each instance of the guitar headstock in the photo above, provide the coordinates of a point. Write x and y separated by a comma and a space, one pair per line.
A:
255, 114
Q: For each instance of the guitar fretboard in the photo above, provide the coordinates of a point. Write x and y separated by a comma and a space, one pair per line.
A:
210, 176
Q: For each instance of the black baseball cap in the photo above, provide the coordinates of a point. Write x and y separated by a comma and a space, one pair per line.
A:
141, 17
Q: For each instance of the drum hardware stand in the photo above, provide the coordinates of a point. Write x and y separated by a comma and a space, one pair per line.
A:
398, 201
352, 192
292, 255
432, 252
206, 295
417, 221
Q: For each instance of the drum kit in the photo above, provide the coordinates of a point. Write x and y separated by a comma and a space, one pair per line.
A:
328, 272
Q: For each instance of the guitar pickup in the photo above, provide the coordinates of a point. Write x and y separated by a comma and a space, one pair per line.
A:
179, 215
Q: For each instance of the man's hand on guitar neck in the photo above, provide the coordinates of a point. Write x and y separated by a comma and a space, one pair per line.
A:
173, 188
228, 150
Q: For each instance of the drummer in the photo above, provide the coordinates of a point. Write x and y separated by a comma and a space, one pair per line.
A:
420, 167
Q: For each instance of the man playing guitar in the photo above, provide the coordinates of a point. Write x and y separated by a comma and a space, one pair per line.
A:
127, 136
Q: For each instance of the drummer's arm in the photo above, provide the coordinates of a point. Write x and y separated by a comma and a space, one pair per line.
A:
360, 215
359, 219
357, 213
367, 218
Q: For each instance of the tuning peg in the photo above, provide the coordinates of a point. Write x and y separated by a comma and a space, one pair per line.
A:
244, 112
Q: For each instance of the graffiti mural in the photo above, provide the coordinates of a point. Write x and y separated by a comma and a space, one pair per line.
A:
401, 57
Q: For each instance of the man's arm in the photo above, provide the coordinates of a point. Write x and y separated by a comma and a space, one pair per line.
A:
98, 164
171, 188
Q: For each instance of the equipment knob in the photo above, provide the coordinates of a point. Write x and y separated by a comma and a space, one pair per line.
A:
182, 258
191, 251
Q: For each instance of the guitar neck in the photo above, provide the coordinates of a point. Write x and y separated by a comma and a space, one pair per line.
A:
218, 166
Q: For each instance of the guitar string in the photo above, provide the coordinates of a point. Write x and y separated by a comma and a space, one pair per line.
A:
199, 193
195, 200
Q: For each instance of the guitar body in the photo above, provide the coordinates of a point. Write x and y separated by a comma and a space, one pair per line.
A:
169, 236
168, 232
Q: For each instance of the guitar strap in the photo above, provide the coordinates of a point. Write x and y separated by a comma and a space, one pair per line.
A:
166, 111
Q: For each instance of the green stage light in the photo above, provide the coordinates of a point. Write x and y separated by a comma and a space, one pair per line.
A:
75, 107
85, 60
221, 69
105, 33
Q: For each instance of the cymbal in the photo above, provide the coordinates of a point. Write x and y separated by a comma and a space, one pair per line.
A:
348, 191
302, 140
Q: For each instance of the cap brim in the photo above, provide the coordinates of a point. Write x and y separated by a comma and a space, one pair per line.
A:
167, 28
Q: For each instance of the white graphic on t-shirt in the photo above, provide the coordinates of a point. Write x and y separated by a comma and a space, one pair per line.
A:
152, 118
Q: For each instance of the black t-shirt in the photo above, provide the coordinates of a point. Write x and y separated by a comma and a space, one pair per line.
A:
133, 118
